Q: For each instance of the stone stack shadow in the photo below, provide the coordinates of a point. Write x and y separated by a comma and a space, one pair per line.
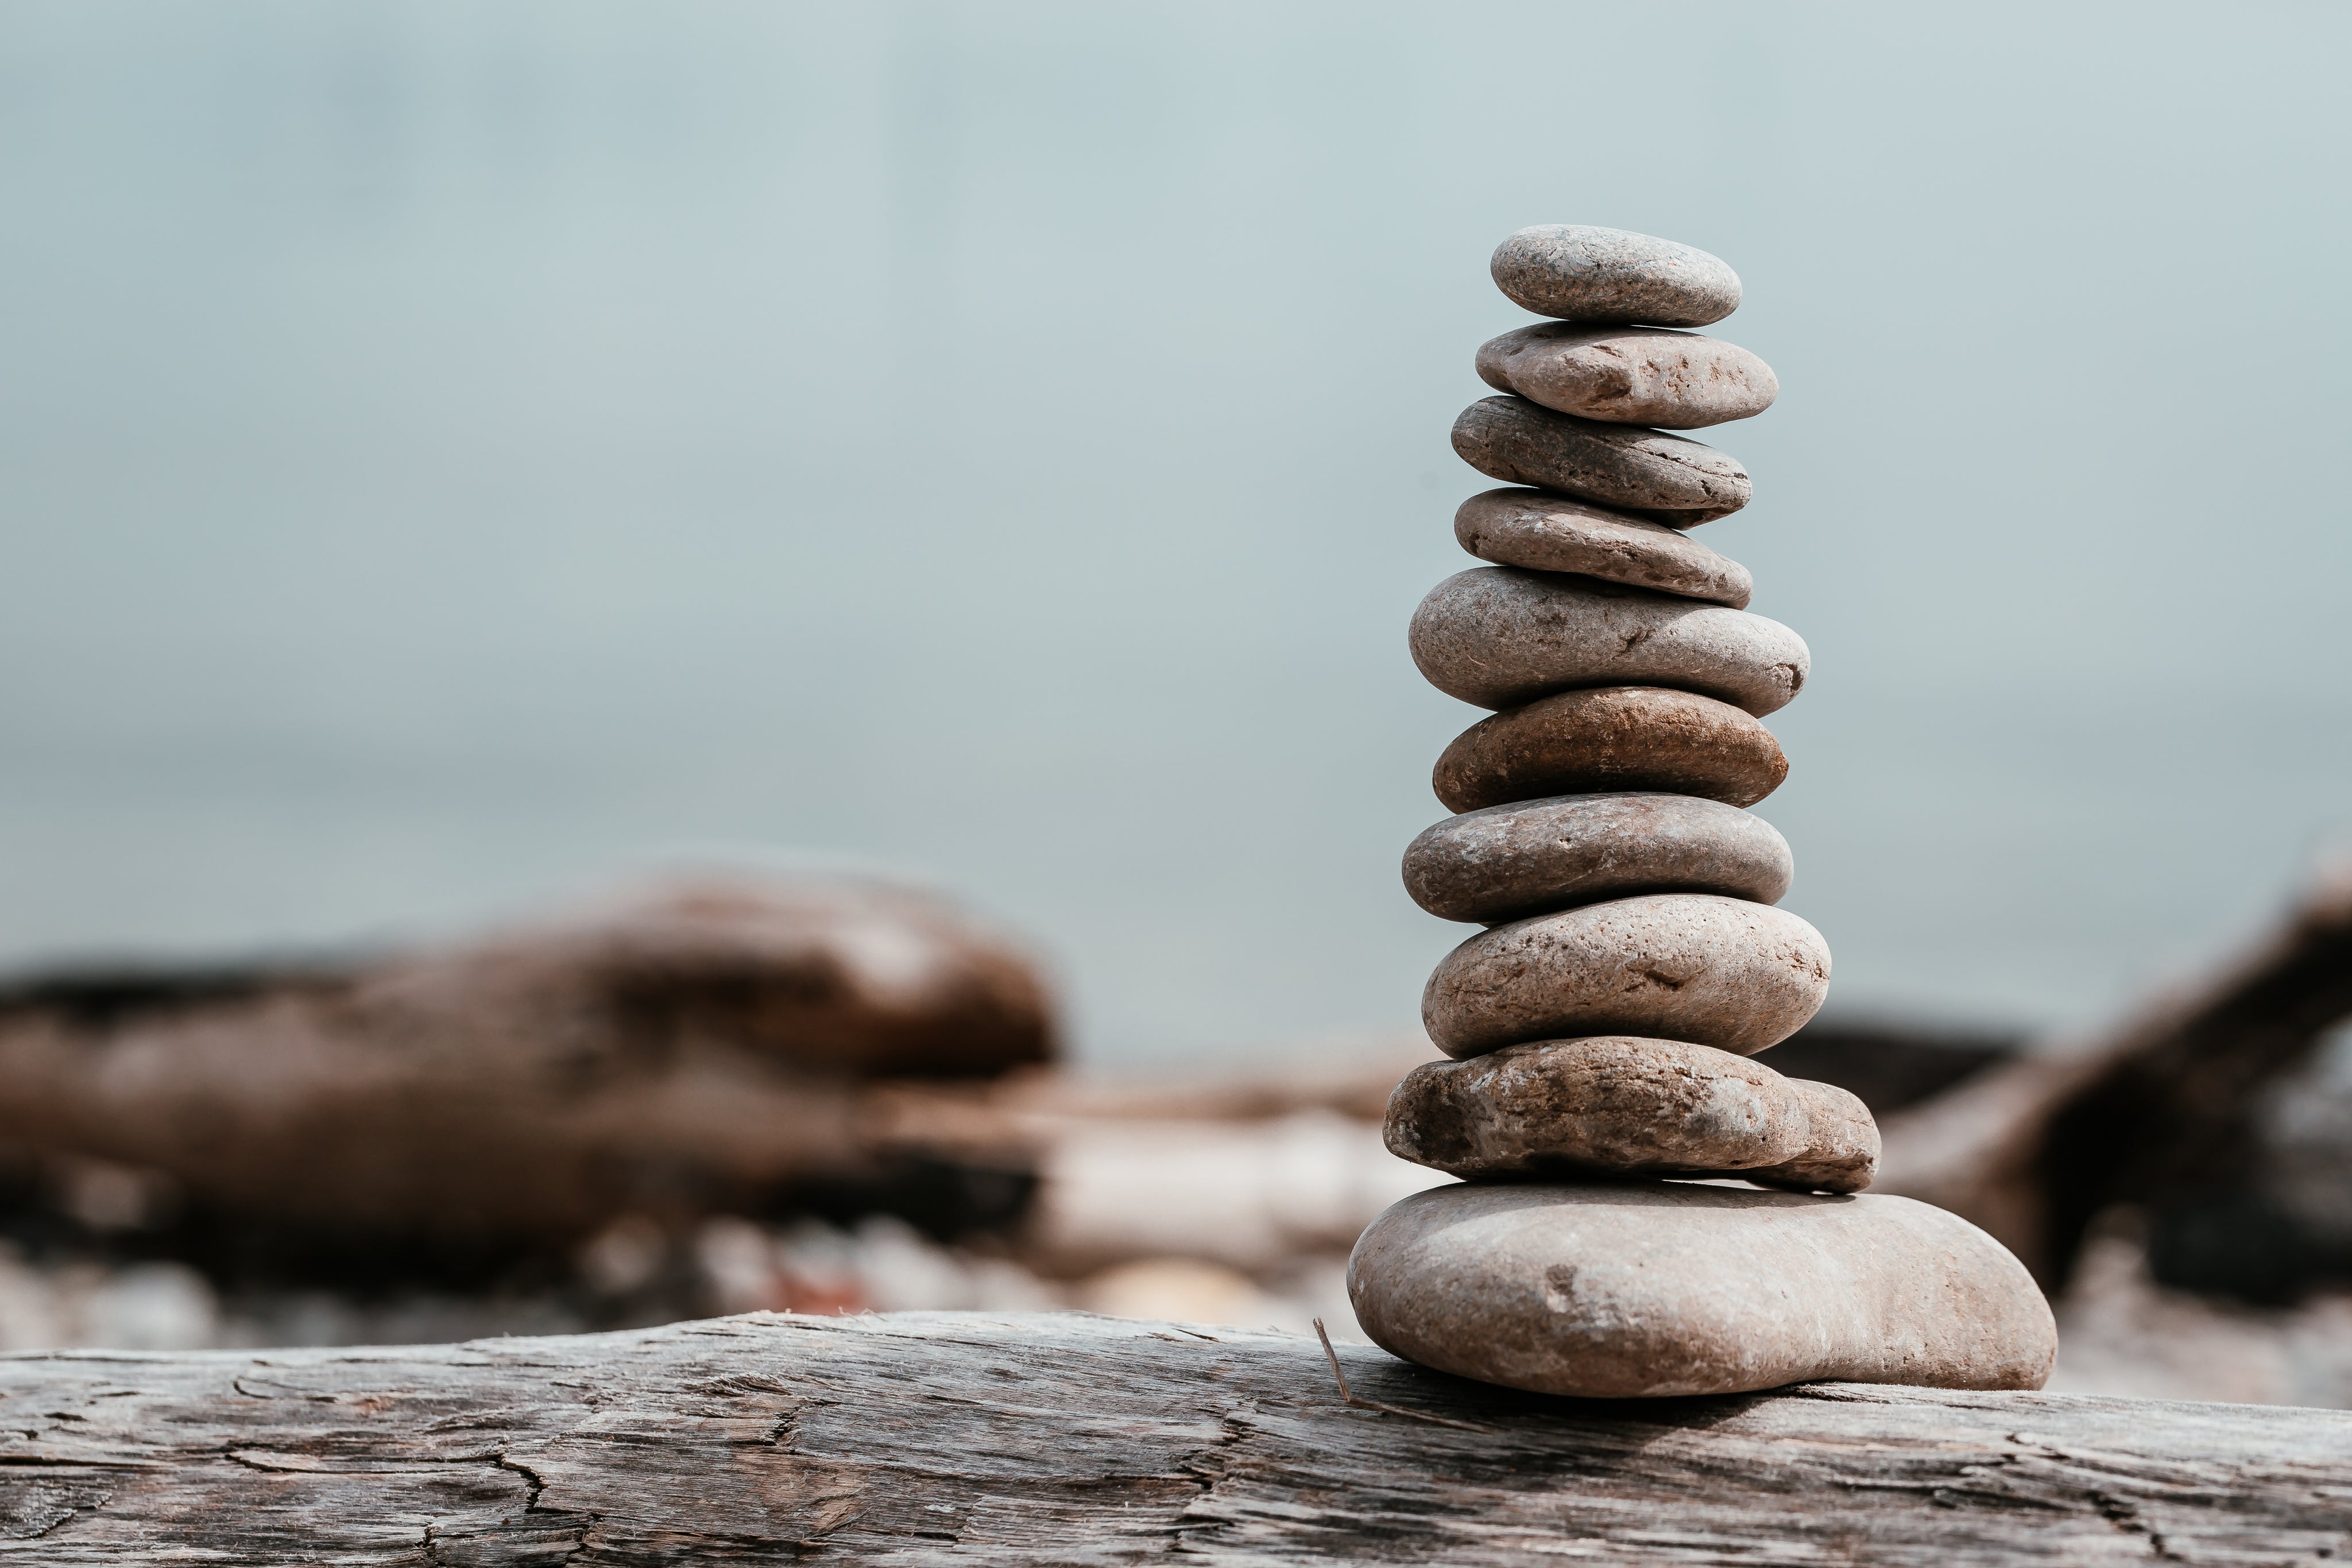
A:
1601, 1026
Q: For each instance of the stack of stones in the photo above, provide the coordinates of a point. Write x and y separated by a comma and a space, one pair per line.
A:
1602, 1027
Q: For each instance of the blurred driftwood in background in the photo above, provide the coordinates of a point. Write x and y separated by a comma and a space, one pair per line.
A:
696, 1049
2172, 1113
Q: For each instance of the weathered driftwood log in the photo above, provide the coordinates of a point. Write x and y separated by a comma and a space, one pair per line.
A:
948, 1438
690, 1051
2032, 1151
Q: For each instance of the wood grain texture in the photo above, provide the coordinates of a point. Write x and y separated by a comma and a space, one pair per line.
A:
951, 1438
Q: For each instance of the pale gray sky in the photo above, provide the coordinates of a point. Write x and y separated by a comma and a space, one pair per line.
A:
451, 456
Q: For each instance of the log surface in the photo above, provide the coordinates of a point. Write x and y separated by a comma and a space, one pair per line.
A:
1058, 1438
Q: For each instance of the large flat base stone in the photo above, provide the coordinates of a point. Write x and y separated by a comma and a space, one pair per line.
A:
1616, 1290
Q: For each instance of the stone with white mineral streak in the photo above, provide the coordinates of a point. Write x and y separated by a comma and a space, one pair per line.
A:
1619, 1104
1611, 738
1545, 532
1641, 1289
1509, 862
1670, 966
1670, 478
1578, 272
1498, 637
1630, 375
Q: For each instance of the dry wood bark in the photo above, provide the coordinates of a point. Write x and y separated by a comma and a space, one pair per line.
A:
952, 1437
2035, 1150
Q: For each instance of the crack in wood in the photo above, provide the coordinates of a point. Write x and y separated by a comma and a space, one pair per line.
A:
927, 1438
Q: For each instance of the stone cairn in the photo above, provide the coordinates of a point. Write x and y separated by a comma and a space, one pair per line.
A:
1602, 1028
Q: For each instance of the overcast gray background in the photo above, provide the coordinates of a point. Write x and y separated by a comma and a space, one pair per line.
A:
453, 457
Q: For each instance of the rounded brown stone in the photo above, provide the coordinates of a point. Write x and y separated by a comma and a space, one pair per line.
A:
1672, 478
1580, 272
1623, 1104
1498, 637
1613, 737
1642, 1288
1509, 862
1545, 532
1666, 966
1630, 375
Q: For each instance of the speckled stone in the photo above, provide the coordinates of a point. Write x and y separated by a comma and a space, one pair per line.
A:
1580, 273
1545, 532
1630, 375
1509, 862
1696, 966
1621, 1104
1644, 1289
1613, 737
1498, 637
1666, 477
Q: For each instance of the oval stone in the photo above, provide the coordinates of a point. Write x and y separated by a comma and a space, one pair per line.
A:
1545, 532
1639, 1289
1498, 637
1626, 1105
1671, 478
1509, 862
1611, 738
1695, 966
1630, 375
1581, 273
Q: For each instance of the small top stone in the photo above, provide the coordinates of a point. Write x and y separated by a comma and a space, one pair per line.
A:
1579, 273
